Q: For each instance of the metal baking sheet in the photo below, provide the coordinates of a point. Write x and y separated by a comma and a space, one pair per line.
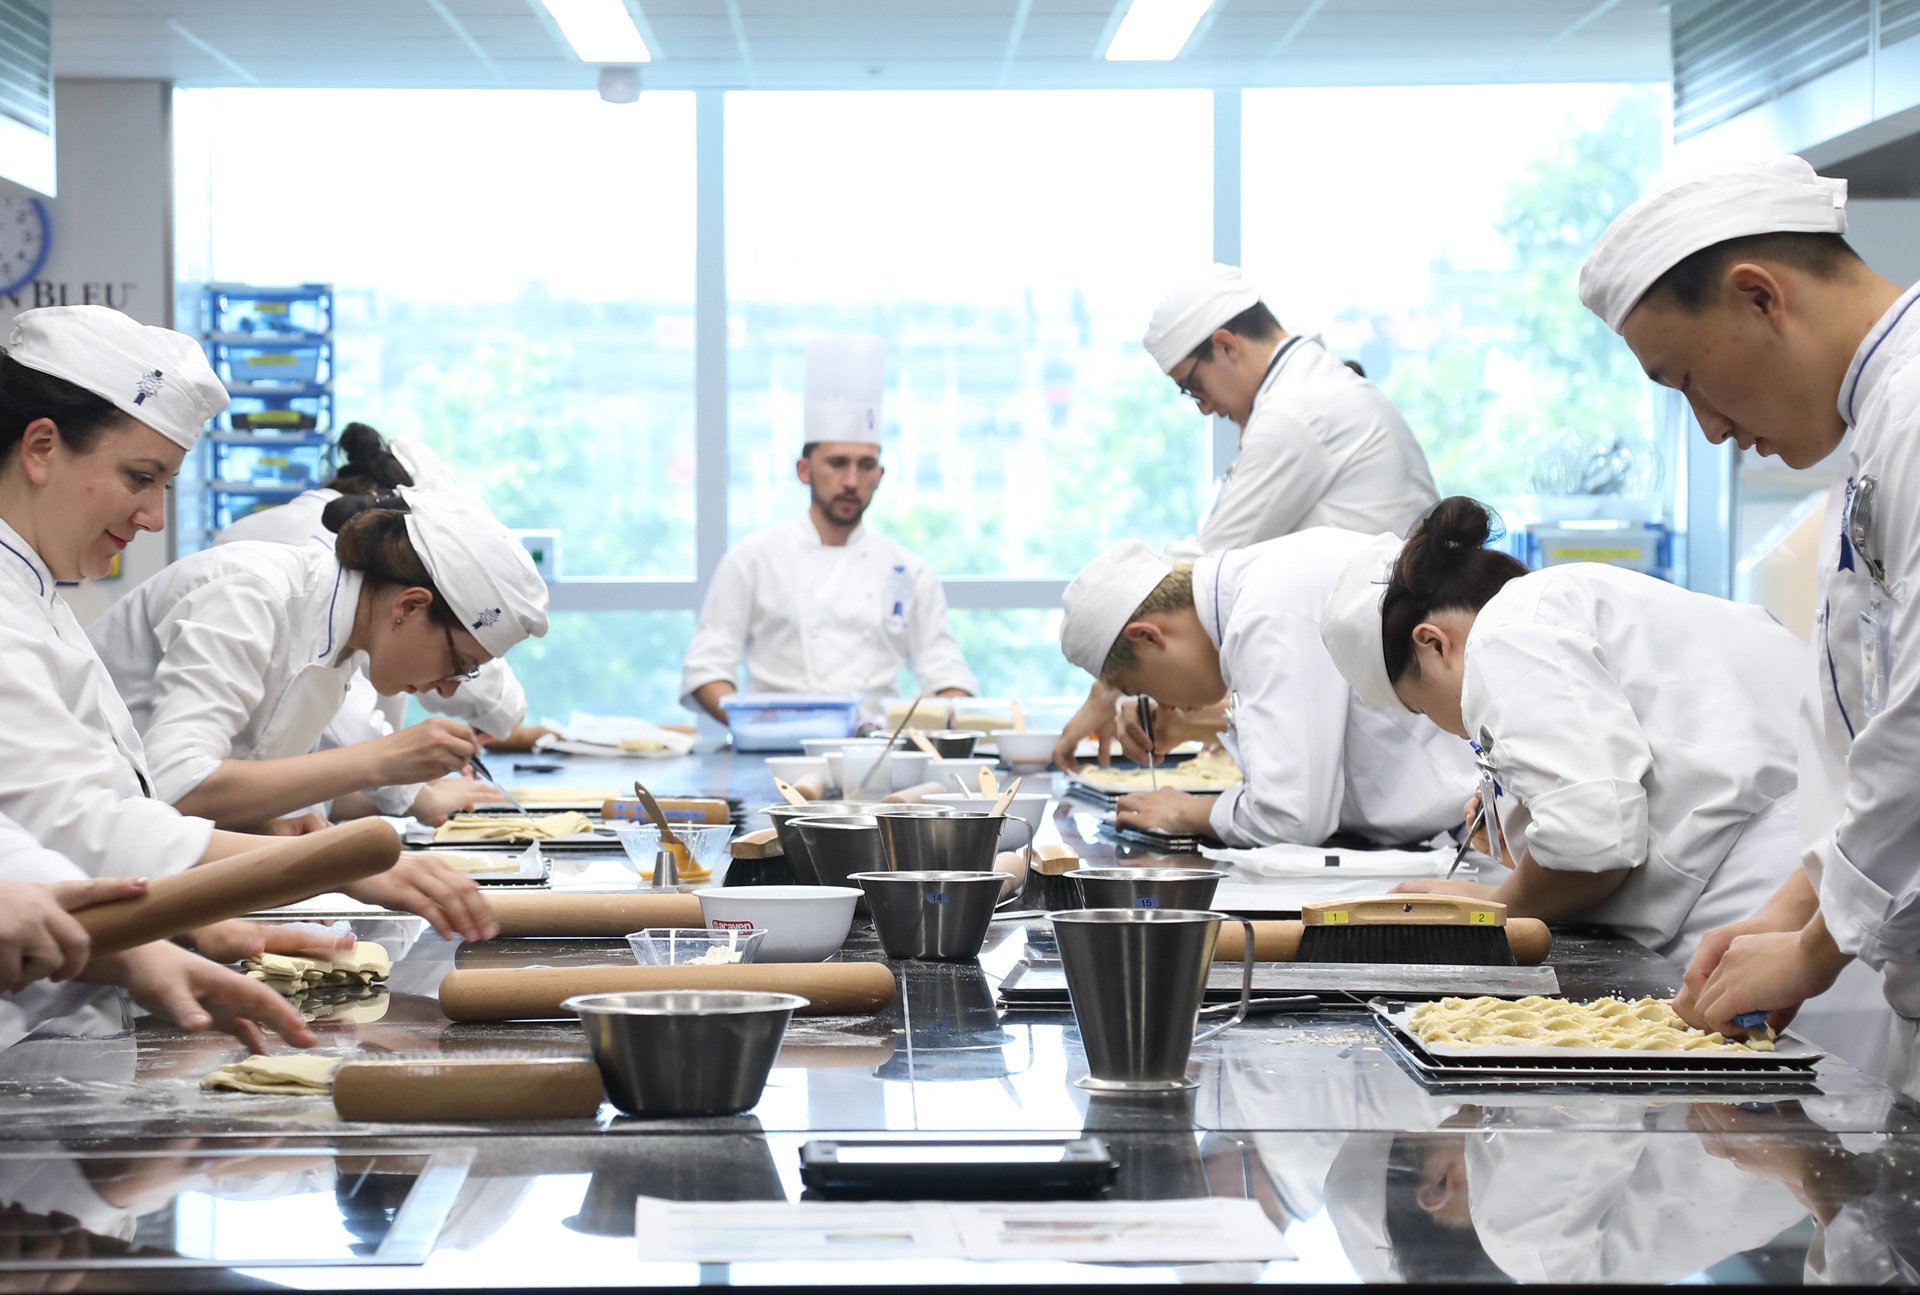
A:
1042, 983
1789, 1052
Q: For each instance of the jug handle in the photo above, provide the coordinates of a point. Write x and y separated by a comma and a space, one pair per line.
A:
1246, 988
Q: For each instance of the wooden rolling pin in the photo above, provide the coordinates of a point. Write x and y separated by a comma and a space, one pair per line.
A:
1279, 941
535, 994
287, 871
467, 1088
530, 913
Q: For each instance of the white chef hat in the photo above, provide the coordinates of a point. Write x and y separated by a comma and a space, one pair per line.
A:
1188, 315
1102, 599
155, 375
1686, 211
1350, 622
845, 378
428, 470
483, 572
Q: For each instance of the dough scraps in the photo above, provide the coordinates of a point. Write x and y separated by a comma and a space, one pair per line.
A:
302, 1076
1641, 1025
1208, 770
296, 977
507, 827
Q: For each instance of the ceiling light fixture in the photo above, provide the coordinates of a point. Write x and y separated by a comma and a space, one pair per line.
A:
1154, 31
600, 31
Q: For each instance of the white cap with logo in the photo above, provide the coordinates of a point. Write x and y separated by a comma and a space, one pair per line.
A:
155, 375
1687, 211
484, 573
1101, 601
1188, 315
845, 379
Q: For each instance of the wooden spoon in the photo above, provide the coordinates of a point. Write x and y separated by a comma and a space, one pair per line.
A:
788, 792
1006, 798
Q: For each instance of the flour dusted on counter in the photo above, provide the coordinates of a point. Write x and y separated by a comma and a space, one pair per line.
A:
715, 957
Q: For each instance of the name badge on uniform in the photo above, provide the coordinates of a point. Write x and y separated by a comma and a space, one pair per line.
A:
1876, 634
899, 596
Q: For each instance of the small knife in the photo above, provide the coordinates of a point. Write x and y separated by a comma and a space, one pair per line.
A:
480, 767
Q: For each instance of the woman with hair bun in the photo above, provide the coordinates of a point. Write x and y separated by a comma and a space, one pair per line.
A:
1641, 735
234, 660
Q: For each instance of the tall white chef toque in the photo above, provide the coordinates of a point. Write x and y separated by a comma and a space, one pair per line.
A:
1686, 211
1350, 622
845, 379
155, 375
1101, 601
485, 574
1189, 314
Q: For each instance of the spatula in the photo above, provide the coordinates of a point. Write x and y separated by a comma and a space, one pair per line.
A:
1006, 798
919, 739
668, 840
788, 792
1019, 716
989, 784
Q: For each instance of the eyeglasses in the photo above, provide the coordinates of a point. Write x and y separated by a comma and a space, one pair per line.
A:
456, 668
1186, 386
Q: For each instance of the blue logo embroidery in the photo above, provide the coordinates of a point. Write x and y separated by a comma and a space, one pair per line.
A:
486, 618
149, 385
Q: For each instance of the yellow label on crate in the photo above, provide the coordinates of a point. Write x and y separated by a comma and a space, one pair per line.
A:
270, 307
1480, 917
1334, 917
1560, 554
273, 357
274, 418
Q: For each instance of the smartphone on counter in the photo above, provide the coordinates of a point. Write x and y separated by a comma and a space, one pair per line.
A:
896, 1169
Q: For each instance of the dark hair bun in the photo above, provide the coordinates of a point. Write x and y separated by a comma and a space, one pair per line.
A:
339, 512
1445, 565
362, 446
366, 462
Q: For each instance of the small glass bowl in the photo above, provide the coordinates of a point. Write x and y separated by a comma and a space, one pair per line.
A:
705, 842
678, 946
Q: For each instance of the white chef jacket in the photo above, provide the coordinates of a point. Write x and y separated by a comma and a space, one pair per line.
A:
73, 772
1316, 760
495, 703
233, 653
814, 617
1641, 726
1322, 447
1860, 818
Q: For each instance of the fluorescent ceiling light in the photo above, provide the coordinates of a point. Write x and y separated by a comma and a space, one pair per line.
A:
600, 31
1155, 30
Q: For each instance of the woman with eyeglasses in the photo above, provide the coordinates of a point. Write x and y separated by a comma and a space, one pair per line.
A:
234, 661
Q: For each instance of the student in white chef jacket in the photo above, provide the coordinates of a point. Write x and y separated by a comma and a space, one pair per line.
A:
495, 703
826, 603
234, 660
1645, 731
1245, 624
96, 414
1734, 284
1319, 446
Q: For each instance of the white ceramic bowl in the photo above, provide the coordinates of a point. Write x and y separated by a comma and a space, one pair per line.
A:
819, 746
908, 768
870, 765
1025, 751
1030, 807
792, 768
803, 923
942, 771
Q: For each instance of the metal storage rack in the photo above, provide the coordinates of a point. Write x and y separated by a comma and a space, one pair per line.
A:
273, 348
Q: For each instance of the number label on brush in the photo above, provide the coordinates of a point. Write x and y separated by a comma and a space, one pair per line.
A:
1334, 917
1480, 917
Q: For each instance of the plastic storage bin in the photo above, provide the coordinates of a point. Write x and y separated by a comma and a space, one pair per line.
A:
776, 721
282, 362
252, 308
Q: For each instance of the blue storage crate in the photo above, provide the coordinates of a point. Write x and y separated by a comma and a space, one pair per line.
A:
776, 721
298, 309
280, 363
280, 415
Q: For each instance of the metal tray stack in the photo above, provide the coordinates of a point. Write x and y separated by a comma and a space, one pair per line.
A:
1790, 1069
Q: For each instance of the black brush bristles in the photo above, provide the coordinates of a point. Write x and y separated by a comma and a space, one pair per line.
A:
775, 870
1417, 945
1053, 892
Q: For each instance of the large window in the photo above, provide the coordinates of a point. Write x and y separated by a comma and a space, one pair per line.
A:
1435, 234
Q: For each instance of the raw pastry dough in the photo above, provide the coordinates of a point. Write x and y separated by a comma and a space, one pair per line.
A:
1209, 769
545, 795
303, 1076
1643, 1024
297, 977
506, 827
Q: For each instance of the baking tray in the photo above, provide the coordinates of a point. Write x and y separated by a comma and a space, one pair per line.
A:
417, 837
1041, 983
1791, 1067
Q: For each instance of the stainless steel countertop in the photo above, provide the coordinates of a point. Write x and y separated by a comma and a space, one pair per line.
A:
1369, 1174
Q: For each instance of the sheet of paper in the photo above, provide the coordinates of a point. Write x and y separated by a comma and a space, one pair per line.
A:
1207, 1230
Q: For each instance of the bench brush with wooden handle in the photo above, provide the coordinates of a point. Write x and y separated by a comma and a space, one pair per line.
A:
1420, 930
283, 872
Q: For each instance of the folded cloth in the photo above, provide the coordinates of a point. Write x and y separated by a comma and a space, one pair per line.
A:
612, 735
1332, 861
304, 1076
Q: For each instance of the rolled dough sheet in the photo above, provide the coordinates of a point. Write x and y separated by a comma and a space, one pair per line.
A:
296, 1075
1211, 769
498, 827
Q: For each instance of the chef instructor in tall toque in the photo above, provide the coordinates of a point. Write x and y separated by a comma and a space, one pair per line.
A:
826, 603
1319, 446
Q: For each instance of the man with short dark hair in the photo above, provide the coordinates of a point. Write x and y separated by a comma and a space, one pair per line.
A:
1319, 444
826, 604
1733, 284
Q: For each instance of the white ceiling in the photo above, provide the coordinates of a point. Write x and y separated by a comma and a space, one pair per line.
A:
860, 43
